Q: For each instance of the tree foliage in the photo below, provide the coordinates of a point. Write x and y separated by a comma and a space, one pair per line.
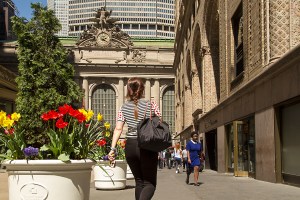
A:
45, 78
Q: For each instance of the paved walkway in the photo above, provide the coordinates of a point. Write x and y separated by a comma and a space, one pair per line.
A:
213, 186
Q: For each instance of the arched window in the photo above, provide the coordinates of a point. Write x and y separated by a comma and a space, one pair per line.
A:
104, 102
168, 107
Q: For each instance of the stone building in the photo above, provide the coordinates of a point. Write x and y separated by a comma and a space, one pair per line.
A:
237, 83
8, 90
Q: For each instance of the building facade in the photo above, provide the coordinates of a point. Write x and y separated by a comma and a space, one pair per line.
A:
7, 10
61, 9
141, 19
237, 83
8, 90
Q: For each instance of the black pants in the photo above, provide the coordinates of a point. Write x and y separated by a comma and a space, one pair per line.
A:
143, 165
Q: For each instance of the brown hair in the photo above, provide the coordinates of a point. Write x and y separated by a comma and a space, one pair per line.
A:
135, 91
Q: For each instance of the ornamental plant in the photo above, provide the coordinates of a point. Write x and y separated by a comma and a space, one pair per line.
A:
72, 134
12, 144
101, 147
45, 79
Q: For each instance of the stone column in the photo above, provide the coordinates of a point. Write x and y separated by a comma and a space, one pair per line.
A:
279, 14
187, 118
85, 86
147, 89
155, 91
209, 92
197, 93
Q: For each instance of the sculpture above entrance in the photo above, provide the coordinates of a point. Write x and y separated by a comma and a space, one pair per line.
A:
104, 33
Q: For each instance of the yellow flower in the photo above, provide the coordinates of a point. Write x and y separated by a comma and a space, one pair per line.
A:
8, 123
107, 125
99, 117
83, 111
107, 133
2, 117
15, 116
89, 115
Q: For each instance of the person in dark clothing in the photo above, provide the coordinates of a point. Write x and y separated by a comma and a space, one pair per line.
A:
168, 158
143, 163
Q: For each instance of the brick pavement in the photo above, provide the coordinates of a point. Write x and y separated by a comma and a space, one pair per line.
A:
213, 186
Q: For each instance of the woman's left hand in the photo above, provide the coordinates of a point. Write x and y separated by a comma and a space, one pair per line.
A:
111, 155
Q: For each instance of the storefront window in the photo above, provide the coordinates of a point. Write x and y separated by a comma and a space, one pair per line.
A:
230, 151
290, 135
251, 145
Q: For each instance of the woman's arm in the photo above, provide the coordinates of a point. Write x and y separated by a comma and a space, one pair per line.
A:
117, 132
188, 155
155, 108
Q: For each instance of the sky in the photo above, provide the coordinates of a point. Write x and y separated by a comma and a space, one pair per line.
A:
24, 8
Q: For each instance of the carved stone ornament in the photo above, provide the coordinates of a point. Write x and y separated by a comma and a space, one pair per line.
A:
7, 75
187, 87
104, 33
138, 56
205, 50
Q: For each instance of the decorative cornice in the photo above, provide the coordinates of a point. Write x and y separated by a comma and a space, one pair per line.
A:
7, 75
104, 34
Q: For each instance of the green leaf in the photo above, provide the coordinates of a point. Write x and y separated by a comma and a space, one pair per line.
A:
64, 157
44, 148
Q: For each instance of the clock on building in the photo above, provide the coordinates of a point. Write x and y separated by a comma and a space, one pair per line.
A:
103, 39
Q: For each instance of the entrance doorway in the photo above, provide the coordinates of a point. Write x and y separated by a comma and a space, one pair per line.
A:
241, 164
211, 150
241, 147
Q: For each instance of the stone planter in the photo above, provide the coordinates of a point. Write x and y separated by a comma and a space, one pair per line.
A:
129, 174
49, 179
112, 178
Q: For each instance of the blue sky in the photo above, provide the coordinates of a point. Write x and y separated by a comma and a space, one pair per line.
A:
24, 7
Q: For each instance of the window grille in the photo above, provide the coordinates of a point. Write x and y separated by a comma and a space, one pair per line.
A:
104, 102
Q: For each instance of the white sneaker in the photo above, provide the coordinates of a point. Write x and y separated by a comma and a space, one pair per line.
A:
177, 171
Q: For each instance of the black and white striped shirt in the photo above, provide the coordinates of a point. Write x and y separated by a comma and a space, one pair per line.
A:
126, 114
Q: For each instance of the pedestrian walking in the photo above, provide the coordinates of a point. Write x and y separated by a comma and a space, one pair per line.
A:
160, 160
168, 158
184, 158
177, 156
143, 163
194, 149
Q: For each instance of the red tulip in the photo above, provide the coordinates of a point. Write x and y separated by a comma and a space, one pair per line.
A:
60, 123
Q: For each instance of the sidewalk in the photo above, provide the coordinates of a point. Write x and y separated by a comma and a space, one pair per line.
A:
213, 186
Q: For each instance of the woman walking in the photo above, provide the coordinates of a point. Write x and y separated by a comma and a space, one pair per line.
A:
177, 156
143, 163
194, 149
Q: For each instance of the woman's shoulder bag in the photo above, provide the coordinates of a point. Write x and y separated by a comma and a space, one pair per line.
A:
153, 134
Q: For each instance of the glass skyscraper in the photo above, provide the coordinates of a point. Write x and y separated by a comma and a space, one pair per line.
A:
61, 9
